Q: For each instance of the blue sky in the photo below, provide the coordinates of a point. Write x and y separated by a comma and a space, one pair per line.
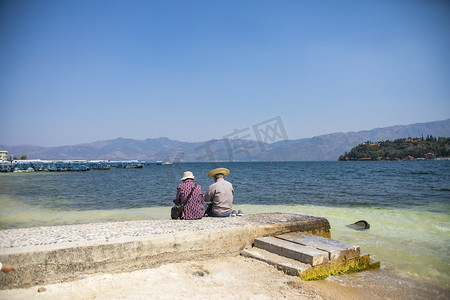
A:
80, 71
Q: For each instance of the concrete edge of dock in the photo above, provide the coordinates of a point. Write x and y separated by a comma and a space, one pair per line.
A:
46, 264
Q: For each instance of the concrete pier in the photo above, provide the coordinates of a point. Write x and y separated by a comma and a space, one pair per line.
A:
45, 255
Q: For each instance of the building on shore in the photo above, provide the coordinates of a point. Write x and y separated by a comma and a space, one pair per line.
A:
3, 155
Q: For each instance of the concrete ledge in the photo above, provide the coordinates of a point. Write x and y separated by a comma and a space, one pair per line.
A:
59, 262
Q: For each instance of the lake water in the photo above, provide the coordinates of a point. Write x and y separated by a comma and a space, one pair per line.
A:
406, 203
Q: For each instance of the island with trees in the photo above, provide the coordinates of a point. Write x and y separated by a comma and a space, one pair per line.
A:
400, 149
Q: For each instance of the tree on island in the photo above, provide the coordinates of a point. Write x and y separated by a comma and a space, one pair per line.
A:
406, 148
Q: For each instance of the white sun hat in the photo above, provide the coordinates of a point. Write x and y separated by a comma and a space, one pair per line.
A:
187, 175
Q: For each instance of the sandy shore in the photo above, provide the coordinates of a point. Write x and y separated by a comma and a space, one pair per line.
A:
233, 277
228, 278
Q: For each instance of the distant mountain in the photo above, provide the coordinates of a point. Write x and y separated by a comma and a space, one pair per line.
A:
330, 146
323, 147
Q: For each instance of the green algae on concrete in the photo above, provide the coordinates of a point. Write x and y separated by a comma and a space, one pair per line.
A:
358, 264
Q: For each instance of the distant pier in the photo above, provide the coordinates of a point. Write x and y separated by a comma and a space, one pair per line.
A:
23, 166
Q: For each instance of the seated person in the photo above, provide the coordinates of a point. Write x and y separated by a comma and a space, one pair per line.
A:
220, 194
194, 209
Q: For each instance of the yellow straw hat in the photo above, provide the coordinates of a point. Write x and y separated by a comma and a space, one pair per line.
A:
188, 175
223, 171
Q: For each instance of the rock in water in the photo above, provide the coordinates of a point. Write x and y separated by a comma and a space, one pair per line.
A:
360, 225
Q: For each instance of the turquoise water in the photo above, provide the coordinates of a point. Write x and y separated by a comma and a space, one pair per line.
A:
406, 203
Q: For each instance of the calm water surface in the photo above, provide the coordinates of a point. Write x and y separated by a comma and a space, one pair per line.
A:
406, 203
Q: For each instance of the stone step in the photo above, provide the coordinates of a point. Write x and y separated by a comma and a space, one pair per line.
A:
337, 250
304, 254
287, 265
310, 257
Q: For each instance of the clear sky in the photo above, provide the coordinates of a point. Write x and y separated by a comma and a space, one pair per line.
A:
81, 71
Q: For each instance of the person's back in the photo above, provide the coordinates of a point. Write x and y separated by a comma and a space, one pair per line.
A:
220, 194
194, 208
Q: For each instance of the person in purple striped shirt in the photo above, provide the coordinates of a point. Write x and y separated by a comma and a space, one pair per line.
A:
194, 206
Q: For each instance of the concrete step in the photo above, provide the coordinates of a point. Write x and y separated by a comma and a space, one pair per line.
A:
310, 257
336, 249
304, 254
287, 265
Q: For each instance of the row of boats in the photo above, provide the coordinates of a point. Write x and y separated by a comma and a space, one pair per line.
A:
25, 166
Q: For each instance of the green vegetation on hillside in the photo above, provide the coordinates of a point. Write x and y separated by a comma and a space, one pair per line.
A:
401, 149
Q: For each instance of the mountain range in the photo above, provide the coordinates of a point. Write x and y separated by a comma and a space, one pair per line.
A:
318, 148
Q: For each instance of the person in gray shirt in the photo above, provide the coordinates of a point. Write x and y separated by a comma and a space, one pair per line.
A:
220, 194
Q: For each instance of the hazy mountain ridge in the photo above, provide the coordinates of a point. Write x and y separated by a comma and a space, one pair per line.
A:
330, 146
323, 147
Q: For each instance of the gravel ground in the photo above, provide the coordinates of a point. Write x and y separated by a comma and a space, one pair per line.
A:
34, 236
